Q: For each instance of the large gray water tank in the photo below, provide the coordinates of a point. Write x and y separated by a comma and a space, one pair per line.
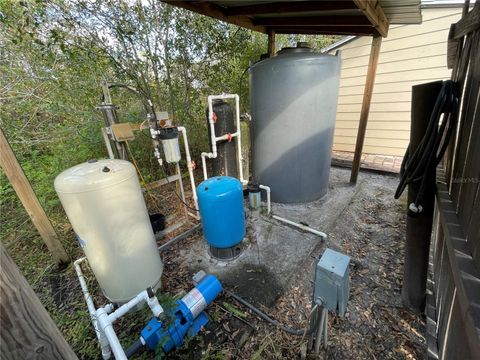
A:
293, 98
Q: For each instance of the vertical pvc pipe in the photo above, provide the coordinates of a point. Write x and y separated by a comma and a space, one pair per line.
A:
189, 165
106, 353
214, 138
267, 189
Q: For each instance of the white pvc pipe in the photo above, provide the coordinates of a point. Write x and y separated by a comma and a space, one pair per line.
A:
105, 347
182, 190
103, 318
107, 329
237, 134
152, 302
105, 321
267, 189
213, 138
189, 166
106, 139
239, 141
301, 226
227, 136
188, 157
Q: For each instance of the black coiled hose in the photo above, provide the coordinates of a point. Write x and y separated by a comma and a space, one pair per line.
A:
419, 165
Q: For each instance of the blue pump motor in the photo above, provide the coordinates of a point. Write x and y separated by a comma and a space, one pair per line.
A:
220, 200
186, 318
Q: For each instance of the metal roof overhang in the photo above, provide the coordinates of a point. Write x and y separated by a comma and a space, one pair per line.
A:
334, 17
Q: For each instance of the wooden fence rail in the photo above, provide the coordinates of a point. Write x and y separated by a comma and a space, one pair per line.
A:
453, 316
26, 331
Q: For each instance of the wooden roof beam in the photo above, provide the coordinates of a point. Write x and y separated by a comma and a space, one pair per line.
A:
374, 13
326, 30
314, 21
216, 12
288, 7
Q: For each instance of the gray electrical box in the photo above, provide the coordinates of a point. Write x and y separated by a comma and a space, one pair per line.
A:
332, 285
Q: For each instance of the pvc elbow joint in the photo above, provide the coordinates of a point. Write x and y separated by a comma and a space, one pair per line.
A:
155, 306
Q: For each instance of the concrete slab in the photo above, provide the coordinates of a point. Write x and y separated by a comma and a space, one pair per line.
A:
274, 251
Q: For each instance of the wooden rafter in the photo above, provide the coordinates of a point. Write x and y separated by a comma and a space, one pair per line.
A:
314, 21
326, 30
374, 13
216, 12
286, 7
296, 17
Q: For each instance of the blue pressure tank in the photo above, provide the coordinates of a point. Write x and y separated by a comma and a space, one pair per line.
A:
220, 200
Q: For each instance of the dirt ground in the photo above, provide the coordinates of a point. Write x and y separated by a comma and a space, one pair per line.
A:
370, 229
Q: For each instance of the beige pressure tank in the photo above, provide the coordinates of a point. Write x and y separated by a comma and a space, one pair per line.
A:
104, 203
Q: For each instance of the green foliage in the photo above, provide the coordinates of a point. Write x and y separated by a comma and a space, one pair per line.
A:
53, 55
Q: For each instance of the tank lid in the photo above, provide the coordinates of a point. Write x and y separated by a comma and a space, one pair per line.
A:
220, 185
93, 175
302, 47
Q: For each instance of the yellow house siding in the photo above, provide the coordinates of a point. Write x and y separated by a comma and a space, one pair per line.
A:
410, 55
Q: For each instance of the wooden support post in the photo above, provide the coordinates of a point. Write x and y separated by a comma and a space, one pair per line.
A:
271, 43
419, 227
367, 98
27, 331
22, 187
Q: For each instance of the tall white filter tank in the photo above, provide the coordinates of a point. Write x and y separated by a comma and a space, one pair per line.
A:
104, 203
293, 98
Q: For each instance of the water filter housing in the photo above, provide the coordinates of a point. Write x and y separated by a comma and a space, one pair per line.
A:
104, 203
220, 200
